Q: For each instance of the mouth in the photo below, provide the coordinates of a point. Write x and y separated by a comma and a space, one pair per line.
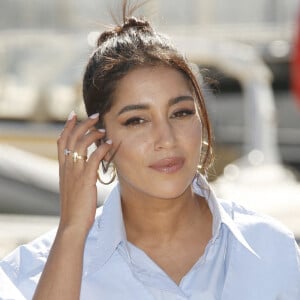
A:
168, 165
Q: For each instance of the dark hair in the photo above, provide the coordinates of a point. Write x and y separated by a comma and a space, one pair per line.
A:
130, 45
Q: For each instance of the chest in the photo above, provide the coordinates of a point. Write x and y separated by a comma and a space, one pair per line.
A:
176, 262
124, 283
222, 273
178, 258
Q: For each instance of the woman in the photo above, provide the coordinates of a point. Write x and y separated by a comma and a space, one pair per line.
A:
162, 233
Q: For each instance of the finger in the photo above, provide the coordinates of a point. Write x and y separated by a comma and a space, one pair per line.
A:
94, 161
63, 138
79, 155
88, 139
81, 129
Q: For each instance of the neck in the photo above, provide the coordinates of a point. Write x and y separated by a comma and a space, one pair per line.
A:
161, 220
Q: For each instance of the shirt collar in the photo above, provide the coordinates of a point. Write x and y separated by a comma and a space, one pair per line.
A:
106, 234
108, 231
220, 215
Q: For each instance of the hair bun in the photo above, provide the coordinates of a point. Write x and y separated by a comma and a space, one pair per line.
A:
134, 22
131, 22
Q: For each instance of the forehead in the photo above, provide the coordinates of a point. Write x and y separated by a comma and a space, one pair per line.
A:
154, 82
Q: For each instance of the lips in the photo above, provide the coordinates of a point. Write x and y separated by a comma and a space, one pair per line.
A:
168, 165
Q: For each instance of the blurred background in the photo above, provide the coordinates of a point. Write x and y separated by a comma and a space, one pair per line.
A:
245, 51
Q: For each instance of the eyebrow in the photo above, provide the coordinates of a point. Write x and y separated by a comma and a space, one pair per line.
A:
171, 102
176, 100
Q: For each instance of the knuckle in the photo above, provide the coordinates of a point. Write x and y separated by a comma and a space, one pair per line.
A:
60, 140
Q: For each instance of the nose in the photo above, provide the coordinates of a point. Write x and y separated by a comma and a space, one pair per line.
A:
164, 135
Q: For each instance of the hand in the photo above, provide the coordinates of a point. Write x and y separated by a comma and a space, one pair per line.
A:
78, 192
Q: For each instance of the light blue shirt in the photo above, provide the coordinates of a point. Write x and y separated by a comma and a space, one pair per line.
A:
249, 257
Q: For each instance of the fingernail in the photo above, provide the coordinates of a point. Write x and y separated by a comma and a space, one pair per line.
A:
71, 115
94, 116
109, 142
101, 130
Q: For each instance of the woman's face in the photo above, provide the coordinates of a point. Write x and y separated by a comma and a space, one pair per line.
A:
155, 122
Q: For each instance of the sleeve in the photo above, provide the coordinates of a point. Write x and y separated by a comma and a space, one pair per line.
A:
20, 270
8, 291
297, 281
298, 261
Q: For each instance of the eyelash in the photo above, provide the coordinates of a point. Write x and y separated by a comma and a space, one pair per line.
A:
183, 113
136, 121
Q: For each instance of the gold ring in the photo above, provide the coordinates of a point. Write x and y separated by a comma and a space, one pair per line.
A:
77, 157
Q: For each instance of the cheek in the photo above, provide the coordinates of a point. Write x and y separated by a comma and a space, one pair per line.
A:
192, 139
132, 148
192, 132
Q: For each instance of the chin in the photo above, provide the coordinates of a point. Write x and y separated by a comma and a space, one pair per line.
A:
163, 187
169, 189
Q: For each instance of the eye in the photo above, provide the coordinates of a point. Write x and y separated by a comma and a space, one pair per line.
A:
183, 113
135, 121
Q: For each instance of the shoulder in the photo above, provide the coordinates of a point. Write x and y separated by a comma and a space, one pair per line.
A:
249, 221
32, 255
28, 256
274, 248
23, 267
270, 239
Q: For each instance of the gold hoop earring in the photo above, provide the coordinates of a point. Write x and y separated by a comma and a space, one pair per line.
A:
114, 175
202, 170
